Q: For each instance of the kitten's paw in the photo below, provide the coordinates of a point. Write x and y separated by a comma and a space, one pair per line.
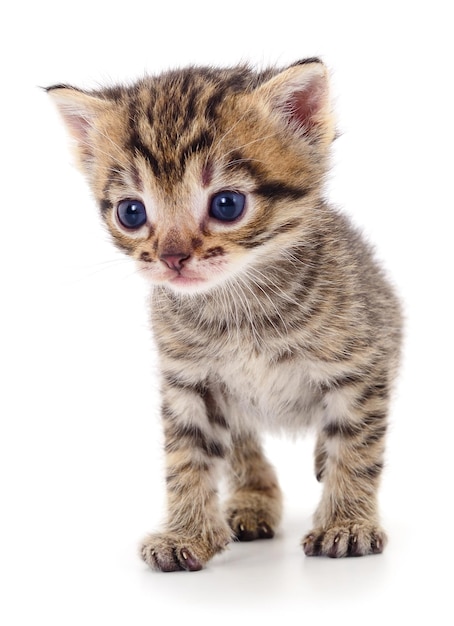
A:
248, 525
253, 516
344, 540
170, 552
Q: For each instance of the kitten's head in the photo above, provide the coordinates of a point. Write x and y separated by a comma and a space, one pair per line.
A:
202, 174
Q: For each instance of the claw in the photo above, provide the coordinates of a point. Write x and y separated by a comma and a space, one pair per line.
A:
192, 564
265, 531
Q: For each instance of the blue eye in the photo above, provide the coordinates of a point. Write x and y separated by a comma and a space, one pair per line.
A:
227, 206
131, 213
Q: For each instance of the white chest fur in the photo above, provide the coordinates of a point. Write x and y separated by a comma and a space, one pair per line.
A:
274, 396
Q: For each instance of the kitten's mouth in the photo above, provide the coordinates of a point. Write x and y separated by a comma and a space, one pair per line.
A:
184, 282
183, 279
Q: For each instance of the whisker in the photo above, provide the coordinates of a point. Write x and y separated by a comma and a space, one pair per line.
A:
259, 303
96, 268
227, 133
243, 300
249, 143
244, 160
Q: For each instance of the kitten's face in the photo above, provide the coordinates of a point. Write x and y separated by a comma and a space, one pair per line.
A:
204, 176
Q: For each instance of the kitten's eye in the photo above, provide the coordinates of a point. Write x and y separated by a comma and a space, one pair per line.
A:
131, 213
227, 206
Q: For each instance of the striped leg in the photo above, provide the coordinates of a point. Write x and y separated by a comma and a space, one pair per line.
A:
320, 456
195, 445
255, 505
349, 461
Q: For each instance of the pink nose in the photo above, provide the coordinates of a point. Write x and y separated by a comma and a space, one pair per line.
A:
174, 261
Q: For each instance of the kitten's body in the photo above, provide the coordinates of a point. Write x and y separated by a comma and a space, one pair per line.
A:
277, 319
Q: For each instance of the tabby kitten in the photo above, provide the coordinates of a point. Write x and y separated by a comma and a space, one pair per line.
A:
268, 309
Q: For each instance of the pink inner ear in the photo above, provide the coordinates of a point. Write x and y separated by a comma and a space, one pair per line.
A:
304, 104
78, 125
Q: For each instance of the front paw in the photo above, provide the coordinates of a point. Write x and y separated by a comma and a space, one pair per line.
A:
344, 539
248, 524
171, 552
253, 515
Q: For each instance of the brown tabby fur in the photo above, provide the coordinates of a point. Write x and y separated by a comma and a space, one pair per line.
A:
279, 320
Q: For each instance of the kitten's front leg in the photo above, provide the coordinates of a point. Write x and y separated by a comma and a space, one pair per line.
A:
349, 461
254, 508
195, 447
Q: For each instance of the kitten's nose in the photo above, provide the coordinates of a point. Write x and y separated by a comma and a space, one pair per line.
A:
175, 260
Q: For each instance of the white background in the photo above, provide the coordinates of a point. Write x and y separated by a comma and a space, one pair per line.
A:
80, 445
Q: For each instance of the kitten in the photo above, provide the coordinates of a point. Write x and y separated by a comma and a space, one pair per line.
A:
268, 308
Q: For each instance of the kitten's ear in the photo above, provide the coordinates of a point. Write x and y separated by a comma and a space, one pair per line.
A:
80, 112
299, 97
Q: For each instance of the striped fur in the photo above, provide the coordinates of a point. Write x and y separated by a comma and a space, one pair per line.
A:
280, 320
